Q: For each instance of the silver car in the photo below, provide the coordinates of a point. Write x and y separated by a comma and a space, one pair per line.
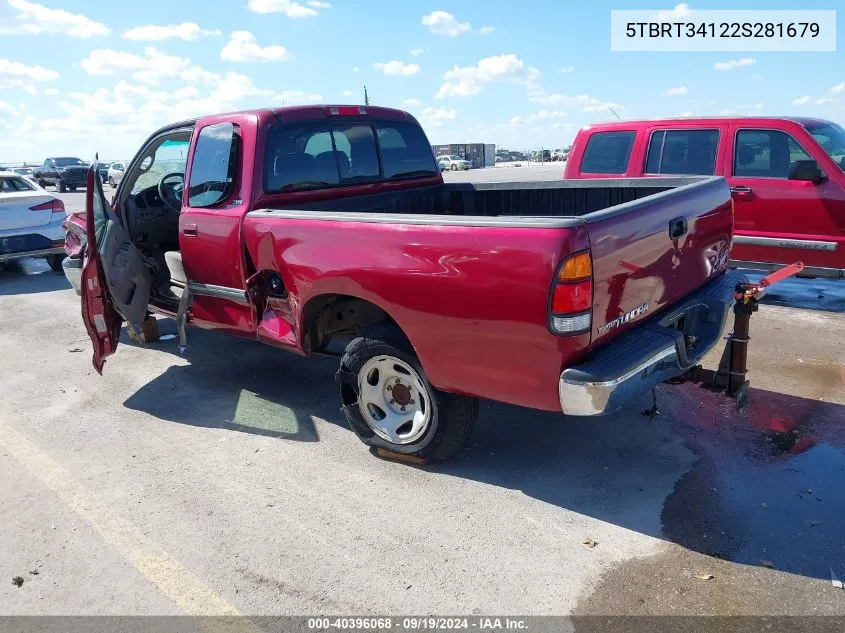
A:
452, 163
116, 173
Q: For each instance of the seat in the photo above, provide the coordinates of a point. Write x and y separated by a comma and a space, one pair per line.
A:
173, 259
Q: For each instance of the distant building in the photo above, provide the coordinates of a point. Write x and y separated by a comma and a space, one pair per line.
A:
478, 154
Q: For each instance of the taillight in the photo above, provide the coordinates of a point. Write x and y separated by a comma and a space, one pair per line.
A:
56, 206
570, 307
345, 111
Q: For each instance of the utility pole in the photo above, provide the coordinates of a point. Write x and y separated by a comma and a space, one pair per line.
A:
366, 97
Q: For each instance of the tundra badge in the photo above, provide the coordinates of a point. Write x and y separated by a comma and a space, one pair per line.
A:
630, 314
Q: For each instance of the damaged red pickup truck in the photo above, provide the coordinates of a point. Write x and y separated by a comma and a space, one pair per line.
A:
329, 229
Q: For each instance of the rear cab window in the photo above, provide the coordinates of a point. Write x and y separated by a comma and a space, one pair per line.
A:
682, 152
608, 152
322, 155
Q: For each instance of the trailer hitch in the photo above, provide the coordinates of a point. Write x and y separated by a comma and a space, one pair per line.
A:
730, 377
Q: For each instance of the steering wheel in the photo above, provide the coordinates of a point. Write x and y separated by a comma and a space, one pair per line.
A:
171, 194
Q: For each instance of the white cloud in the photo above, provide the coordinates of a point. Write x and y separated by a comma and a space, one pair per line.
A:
734, 63
397, 68
566, 69
602, 107
187, 31
444, 23
434, 117
542, 115
751, 108
412, 103
486, 30
681, 10
188, 92
35, 19
347, 93
51, 91
801, 100
823, 101
31, 89
685, 114
297, 97
150, 68
838, 88
416, 52
290, 8
9, 109
242, 47
463, 81
676, 92
585, 102
356, 69
9, 68
317, 4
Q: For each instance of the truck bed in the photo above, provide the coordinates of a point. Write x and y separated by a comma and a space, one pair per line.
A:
443, 261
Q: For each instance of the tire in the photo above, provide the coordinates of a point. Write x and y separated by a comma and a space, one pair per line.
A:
42, 184
111, 182
71, 187
454, 167
55, 261
61, 187
449, 418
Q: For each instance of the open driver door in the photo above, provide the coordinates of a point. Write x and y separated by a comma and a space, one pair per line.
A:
115, 280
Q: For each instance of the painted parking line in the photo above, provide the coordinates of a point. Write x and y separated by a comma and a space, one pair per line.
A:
172, 578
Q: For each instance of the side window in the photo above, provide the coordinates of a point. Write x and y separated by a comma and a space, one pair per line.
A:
405, 151
357, 156
765, 154
688, 152
166, 156
608, 153
215, 163
9, 185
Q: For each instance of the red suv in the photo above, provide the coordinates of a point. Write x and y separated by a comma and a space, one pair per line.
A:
787, 177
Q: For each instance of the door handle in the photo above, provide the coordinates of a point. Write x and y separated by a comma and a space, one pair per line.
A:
190, 229
678, 228
741, 189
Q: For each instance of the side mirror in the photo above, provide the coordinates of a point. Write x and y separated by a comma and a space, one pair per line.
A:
806, 170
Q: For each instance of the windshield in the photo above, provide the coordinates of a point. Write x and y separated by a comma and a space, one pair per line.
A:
831, 138
67, 162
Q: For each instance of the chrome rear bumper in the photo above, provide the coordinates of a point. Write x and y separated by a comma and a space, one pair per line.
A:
650, 353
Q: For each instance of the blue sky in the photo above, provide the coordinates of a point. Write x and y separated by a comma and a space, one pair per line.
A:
82, 76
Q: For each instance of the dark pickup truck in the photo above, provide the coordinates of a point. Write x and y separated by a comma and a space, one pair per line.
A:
65, 173
330, 230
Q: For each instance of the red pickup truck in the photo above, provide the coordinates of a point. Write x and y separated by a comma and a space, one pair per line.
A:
787, 176
330, 230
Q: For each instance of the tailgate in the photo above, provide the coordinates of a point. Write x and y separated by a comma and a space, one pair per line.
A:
652, 252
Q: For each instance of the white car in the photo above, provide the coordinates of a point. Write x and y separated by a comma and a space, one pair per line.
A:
452, 163
30, 221
116, 173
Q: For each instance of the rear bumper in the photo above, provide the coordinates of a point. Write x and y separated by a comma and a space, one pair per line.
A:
56, 250
73, 272
650, 353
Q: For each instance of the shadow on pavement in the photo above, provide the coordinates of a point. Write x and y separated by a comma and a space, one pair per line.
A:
30, 276
762, 486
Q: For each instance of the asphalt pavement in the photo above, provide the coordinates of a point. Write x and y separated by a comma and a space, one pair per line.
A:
225, 481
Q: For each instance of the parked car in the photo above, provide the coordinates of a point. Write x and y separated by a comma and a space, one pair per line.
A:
103, 170
65, 173
24, 171
330, 230
787, 177
560, 154
452, 163
115, 173
30, 221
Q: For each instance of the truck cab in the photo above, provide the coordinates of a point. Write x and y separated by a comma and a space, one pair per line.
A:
787, 178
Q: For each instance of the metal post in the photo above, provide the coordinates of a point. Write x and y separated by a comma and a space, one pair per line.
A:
738, 368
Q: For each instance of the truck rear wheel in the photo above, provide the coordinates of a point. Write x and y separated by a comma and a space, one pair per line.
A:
61, 187
389, 402
55, 261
